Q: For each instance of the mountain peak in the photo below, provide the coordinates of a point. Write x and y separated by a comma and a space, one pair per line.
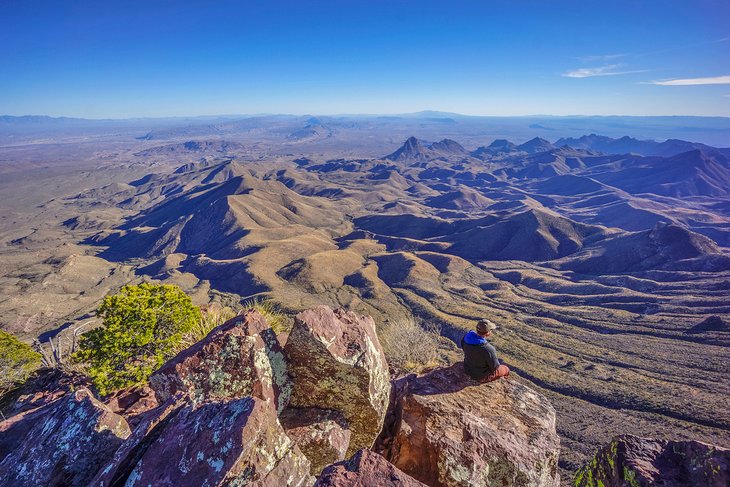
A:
535, 145
415, 150
448, 146
412, 149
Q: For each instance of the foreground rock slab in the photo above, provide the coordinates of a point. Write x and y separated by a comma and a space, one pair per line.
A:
238, 442
63, 443
238, 359
337, 363
321, 434
452, 431
641, 462
365, 469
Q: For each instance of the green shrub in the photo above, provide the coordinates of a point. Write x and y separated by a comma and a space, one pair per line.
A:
17, 361
142, 327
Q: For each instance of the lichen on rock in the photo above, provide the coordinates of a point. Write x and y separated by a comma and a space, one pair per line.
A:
336, 362
321, 434
240, 358
452, 431
63, 443
631, 461
234, 442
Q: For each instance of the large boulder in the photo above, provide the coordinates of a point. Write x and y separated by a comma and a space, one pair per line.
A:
365, 469
452, 431
233, 442
630, 461
240, 358
63, 443
321, 434
336, 362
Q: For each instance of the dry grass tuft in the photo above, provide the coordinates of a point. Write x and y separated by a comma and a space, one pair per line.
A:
215, 315
212, 317
276, 319
409, 347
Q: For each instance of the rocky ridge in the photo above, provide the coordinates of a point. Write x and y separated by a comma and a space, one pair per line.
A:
237, 408
641, 462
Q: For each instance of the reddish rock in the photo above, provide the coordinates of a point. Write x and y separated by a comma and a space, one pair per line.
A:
132, 402
240, 358
336, 362
321, 434
45, 386
453, 431
630, 461
365, 469
63, 443
235, 442
150, 424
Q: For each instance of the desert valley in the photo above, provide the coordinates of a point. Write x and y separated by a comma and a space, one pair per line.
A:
604, 259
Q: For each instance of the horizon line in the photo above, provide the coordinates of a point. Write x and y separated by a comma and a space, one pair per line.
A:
314, 115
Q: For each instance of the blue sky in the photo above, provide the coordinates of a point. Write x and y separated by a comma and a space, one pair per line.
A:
121, 59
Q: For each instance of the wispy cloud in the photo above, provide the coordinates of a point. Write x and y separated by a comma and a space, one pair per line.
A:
601, 57
712, 80
607, 70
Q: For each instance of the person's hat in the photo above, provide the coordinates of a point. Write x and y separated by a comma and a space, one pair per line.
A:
484, 326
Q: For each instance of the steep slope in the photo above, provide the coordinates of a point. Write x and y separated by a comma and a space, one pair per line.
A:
498, 146
533, 235
213, 220
693, 173
460, 199
533, 146
666, 246
414, 150
311, 131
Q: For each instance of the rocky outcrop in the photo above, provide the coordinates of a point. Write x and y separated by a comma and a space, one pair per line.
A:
321, 434
43, 387
149, 428
236, 442
336, 362
451, 431
132, 402
365, 469
63, 443
240, 358
630, 461
237, 409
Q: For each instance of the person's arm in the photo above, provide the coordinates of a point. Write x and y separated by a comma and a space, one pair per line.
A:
493, 360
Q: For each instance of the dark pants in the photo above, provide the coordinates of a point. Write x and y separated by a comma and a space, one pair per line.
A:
502, 371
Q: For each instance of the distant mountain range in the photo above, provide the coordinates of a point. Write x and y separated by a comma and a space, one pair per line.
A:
641, 131
414, 149
626, 144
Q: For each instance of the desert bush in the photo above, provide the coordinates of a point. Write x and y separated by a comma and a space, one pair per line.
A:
409, 347
17, 361
142, 326
58, 352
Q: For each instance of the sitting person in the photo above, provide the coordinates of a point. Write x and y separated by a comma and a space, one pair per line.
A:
480, 357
